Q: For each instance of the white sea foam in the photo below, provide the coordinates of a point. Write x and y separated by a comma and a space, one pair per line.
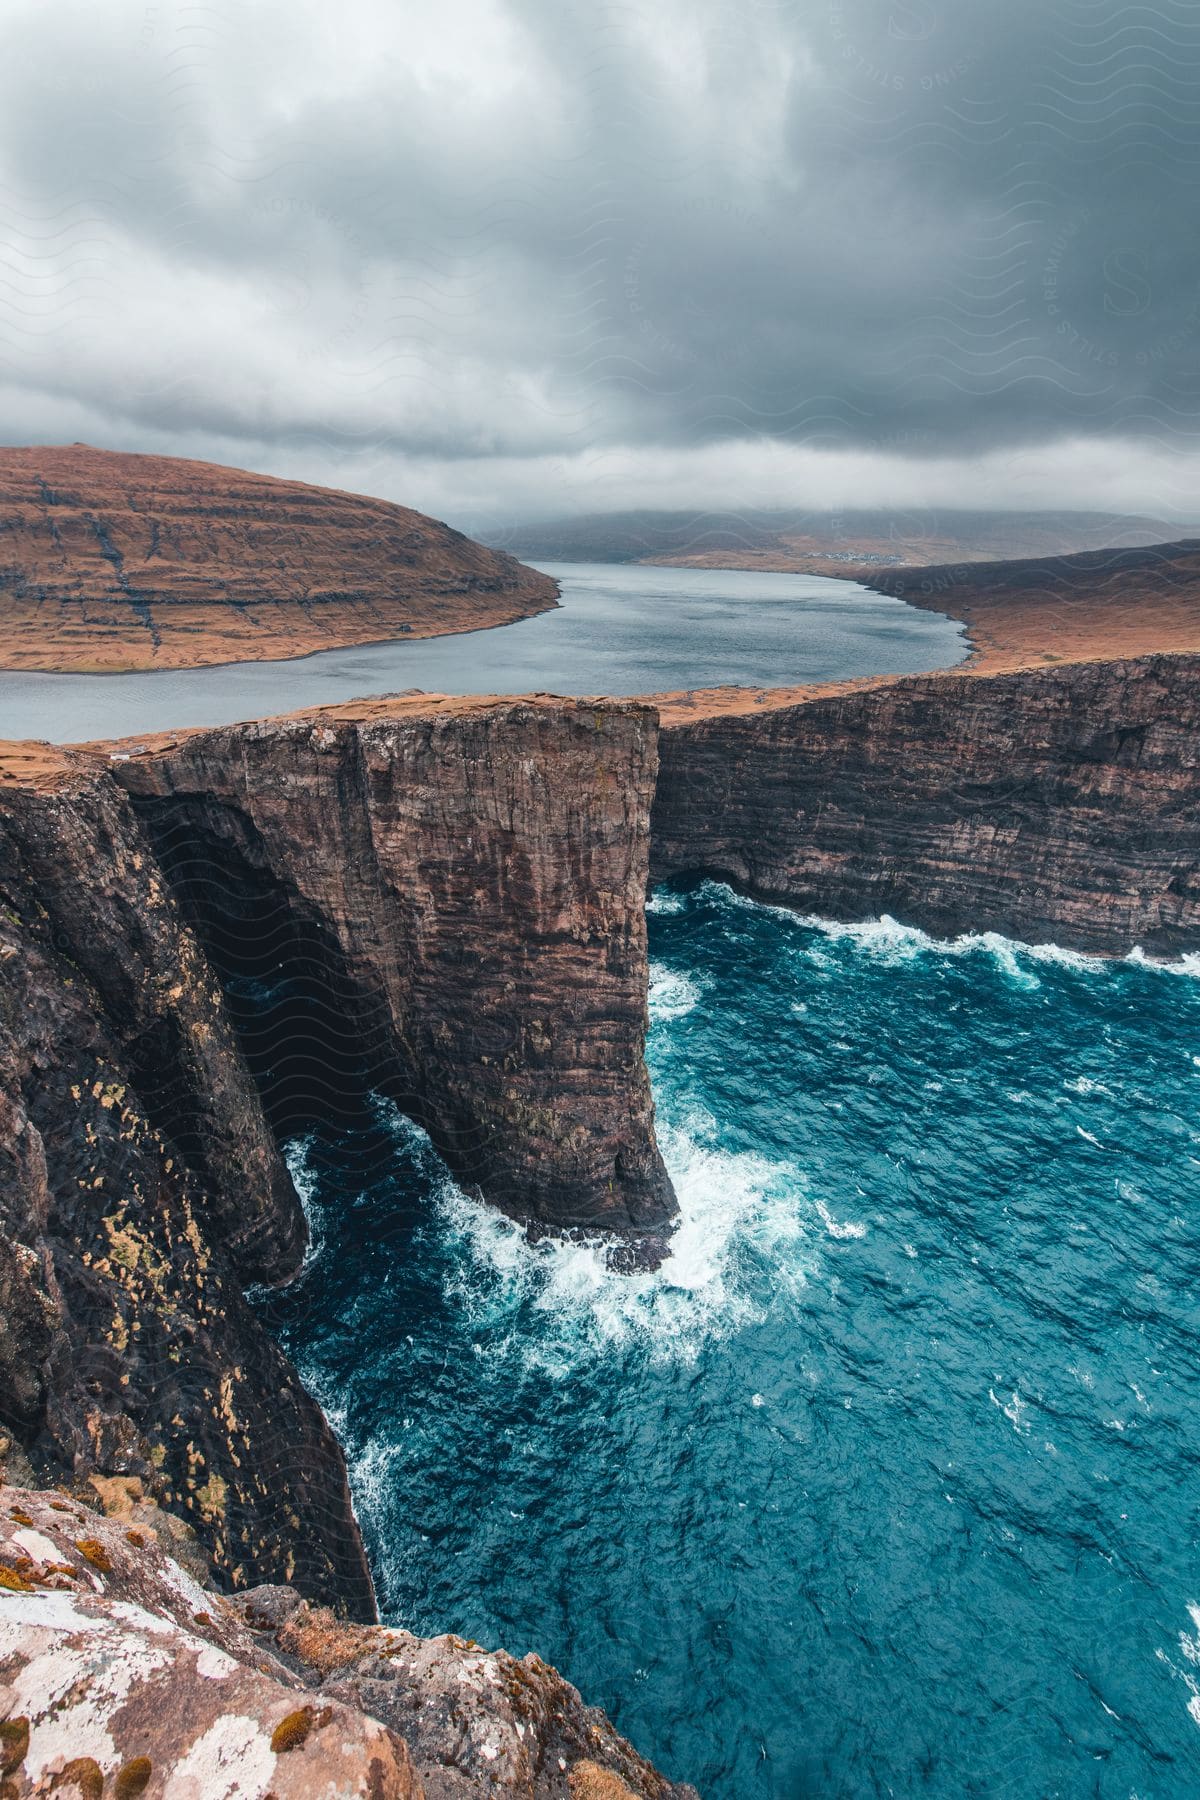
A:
1066, 959
734, 1207
672, 994
840, 1229
1014, 1409
662, 900
1189, 1649
1084, 1085
304, 1180
1187, 964
888, 940
1189, 1641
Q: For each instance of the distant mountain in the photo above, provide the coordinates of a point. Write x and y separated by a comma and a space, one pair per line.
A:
826, 541
113, 561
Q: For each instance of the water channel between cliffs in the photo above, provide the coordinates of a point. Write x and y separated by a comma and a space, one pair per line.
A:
620, 630
885, 1483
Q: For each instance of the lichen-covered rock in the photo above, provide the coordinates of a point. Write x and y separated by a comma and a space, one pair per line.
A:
121, 1675
140, 1191
476, 1721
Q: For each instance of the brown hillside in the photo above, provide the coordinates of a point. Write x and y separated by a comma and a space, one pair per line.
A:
1092, 607
111, 561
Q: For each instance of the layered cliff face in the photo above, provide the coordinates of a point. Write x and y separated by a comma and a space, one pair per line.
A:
444, 904
140, 1192
204, 942
111, 561
448, 903
1057, 806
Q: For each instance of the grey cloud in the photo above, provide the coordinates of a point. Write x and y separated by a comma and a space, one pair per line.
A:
522, 231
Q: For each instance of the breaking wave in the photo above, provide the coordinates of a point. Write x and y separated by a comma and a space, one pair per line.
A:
887, 940
559, 1299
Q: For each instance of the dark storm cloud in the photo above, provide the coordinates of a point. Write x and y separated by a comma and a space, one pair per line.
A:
533, 235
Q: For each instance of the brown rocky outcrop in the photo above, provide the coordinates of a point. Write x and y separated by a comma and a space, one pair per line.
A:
1059, 805
1101, 604
456, 896
121, 1675
113, 561
140, 1192
450, 903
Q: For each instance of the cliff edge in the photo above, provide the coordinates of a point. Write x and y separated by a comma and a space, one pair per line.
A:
121, 1674
444, 906
448, 903
1055, 805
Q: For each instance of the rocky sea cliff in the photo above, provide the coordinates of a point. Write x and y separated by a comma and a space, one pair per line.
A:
453, 898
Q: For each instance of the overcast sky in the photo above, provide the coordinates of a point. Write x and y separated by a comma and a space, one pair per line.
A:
509, 258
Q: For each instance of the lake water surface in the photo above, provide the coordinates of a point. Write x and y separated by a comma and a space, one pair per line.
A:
621, 629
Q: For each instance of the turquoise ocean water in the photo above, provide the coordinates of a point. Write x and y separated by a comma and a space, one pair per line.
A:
888, 1483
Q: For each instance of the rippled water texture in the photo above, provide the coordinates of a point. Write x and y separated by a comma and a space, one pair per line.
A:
619, 630
887, 1484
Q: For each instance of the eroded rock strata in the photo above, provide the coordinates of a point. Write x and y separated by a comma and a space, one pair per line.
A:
140, 1193
1059, 805
456, 898
447, 906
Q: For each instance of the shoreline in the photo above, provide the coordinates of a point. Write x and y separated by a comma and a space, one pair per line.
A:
413, 635
178, 663
117, 562
1016, 617
41, 763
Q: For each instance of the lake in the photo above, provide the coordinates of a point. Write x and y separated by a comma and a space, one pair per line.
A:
621, 629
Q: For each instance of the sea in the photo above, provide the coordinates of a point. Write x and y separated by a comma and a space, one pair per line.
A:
887, 1482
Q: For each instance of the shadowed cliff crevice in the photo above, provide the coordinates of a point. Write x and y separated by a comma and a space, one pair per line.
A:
316, 1041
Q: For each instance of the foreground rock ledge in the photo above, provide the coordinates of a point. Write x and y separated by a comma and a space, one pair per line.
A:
120, 1675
